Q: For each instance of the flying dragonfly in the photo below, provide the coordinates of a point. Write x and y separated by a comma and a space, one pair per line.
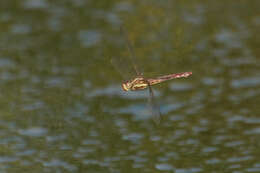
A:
139, 82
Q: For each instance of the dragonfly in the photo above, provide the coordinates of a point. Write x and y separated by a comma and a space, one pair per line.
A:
139, 82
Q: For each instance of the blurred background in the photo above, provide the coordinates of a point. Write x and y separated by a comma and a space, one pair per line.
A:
62, 108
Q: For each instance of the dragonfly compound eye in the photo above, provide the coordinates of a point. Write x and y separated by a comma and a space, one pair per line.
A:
125, 86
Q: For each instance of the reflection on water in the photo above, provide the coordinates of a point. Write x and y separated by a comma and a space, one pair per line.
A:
89, 38
246, 82
63, 110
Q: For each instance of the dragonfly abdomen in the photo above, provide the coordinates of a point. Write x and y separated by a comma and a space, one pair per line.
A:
168, 77
175, 75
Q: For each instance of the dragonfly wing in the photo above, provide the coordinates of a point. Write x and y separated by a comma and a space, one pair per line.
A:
155, 110
126, 65
131, 50
122, 67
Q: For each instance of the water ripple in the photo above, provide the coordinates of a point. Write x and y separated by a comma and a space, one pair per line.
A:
6, 63
246, 82
89, 38
134, 137
32, 4
164, 167
33, 131
239, 159
181, 87
59, 163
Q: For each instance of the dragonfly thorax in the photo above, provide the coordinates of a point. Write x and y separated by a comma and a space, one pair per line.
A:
135, 84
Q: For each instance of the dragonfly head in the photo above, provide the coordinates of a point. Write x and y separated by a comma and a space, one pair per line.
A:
126, 86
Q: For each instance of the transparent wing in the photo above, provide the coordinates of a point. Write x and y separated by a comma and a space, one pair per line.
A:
130, 48
123, 67
155, 110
